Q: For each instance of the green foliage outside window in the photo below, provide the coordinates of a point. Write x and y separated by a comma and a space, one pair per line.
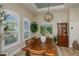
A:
34, 27
45, 29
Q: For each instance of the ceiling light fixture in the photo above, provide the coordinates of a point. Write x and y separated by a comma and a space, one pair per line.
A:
48, 17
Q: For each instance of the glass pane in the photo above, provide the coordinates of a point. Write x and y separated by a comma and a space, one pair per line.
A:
11, 27
26, 25
10, 38
26, 35
11, 18
11, 23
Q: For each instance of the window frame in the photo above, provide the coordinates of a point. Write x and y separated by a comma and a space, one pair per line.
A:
28, 20
3, 46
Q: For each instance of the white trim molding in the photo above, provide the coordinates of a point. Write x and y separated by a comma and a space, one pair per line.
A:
46, 8
28, 20
52, 8
3, 47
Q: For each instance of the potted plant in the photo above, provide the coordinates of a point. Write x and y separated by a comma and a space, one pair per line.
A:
55, 39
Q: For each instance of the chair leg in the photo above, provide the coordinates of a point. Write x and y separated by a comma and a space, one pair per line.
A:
27, 53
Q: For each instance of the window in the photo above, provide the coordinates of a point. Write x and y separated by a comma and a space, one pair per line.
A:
26, 26
46, 29
11, 34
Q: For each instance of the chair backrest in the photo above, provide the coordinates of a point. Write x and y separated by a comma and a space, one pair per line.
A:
2, 54
36, 53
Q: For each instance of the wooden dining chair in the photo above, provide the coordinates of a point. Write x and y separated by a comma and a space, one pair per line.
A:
50, 54
36, 53
28, 44
26, 51
30, 41
2, 54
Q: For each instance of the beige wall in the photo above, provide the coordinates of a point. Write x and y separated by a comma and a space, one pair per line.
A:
73, 22
22, 12
59, 16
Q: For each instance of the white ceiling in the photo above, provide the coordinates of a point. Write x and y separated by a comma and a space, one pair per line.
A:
32, 7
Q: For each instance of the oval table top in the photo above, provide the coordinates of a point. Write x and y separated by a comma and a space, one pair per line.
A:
48, 47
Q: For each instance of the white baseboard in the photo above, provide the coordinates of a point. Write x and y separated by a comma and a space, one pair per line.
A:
70, 45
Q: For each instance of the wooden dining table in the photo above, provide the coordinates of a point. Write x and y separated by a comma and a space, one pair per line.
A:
48, 48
